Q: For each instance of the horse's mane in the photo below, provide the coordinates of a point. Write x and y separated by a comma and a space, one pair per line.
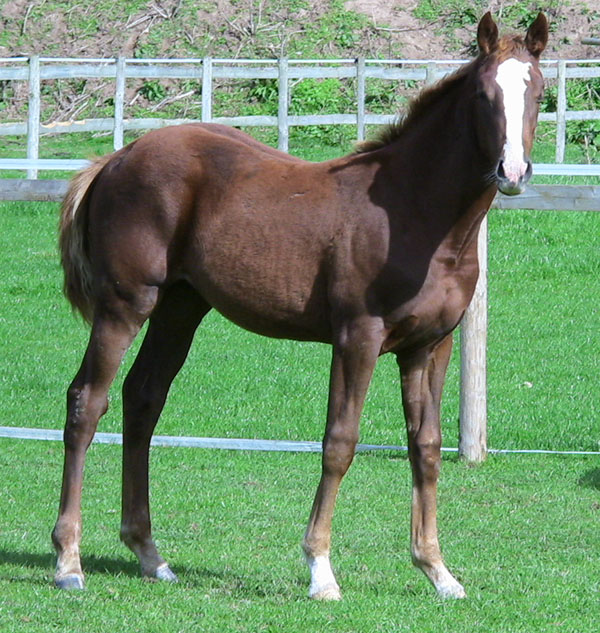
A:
428, 97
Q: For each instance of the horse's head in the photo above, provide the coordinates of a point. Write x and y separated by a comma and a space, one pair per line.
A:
509, 90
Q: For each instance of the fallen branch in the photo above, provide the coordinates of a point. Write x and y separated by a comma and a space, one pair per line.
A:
392, 30
144, 18
168, 100
24, 27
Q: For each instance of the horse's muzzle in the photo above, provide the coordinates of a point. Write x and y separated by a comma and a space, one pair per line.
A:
513, 182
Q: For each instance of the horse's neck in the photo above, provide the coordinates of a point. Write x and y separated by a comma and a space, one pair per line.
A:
442, 174
443, 145
441, 153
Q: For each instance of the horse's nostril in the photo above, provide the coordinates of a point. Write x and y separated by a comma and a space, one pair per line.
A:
529, 170
500, 170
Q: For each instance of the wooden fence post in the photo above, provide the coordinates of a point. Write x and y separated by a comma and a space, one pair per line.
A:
282, 114
561, 111
431, 73
33, 116
360, 98
119, 103
206, 90
472, 444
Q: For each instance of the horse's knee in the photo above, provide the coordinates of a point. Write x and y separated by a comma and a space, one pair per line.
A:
338, 452
426, 456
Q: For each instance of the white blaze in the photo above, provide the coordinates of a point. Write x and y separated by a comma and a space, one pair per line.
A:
512, 76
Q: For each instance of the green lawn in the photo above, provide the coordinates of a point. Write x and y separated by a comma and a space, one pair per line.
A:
521, 533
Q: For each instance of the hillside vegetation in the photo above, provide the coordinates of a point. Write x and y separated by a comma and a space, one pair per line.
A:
266, 29
259, 28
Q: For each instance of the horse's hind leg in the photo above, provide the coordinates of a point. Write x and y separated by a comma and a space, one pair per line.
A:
165, 347
112, 332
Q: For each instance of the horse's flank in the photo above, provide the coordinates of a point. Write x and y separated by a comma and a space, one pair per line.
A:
73, 243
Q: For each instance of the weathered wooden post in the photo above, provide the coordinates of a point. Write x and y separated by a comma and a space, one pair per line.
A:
119, 103
431, 73
472, 444
282, 113
360, 99
33, 115
561, 112
206, 90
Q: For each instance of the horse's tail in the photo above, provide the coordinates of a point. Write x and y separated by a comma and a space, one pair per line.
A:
72, 240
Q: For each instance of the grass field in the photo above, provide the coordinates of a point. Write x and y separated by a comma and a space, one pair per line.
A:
521, 532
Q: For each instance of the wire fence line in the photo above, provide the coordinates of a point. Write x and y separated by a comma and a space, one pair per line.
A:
239, 444
35, 70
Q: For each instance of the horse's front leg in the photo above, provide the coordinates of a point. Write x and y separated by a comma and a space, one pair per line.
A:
354, 356
422, 381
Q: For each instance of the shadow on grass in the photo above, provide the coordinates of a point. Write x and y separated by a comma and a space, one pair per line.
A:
94, 564
591, 479
238, 585
223, 581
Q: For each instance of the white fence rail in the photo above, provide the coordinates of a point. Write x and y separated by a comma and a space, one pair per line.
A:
473, 408
206, 70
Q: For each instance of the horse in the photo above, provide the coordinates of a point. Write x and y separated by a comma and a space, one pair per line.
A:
371, 253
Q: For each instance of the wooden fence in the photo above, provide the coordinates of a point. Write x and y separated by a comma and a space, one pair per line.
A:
35, 70
473, 407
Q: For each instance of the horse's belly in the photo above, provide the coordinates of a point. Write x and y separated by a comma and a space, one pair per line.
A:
267, 291
271, 315
294, 327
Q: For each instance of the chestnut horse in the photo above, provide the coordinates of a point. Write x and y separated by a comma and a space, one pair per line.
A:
374, 252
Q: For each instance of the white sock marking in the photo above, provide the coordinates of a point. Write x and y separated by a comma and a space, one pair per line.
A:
321, 574
512, 76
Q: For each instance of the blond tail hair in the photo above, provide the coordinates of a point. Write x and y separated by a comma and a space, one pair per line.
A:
72, 240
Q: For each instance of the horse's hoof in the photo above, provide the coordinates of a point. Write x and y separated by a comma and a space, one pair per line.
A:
165, 574
70, 582
328, 593
451, 591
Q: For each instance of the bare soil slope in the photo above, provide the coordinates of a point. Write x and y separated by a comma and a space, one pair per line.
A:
259, 28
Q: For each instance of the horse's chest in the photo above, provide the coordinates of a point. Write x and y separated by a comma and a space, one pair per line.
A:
434, 311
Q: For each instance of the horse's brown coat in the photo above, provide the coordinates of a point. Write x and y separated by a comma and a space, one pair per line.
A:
374, 252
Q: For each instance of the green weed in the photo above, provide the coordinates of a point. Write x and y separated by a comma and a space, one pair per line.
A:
153, 90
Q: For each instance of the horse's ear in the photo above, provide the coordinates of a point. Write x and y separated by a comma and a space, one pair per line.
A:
487, 34
537, 35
